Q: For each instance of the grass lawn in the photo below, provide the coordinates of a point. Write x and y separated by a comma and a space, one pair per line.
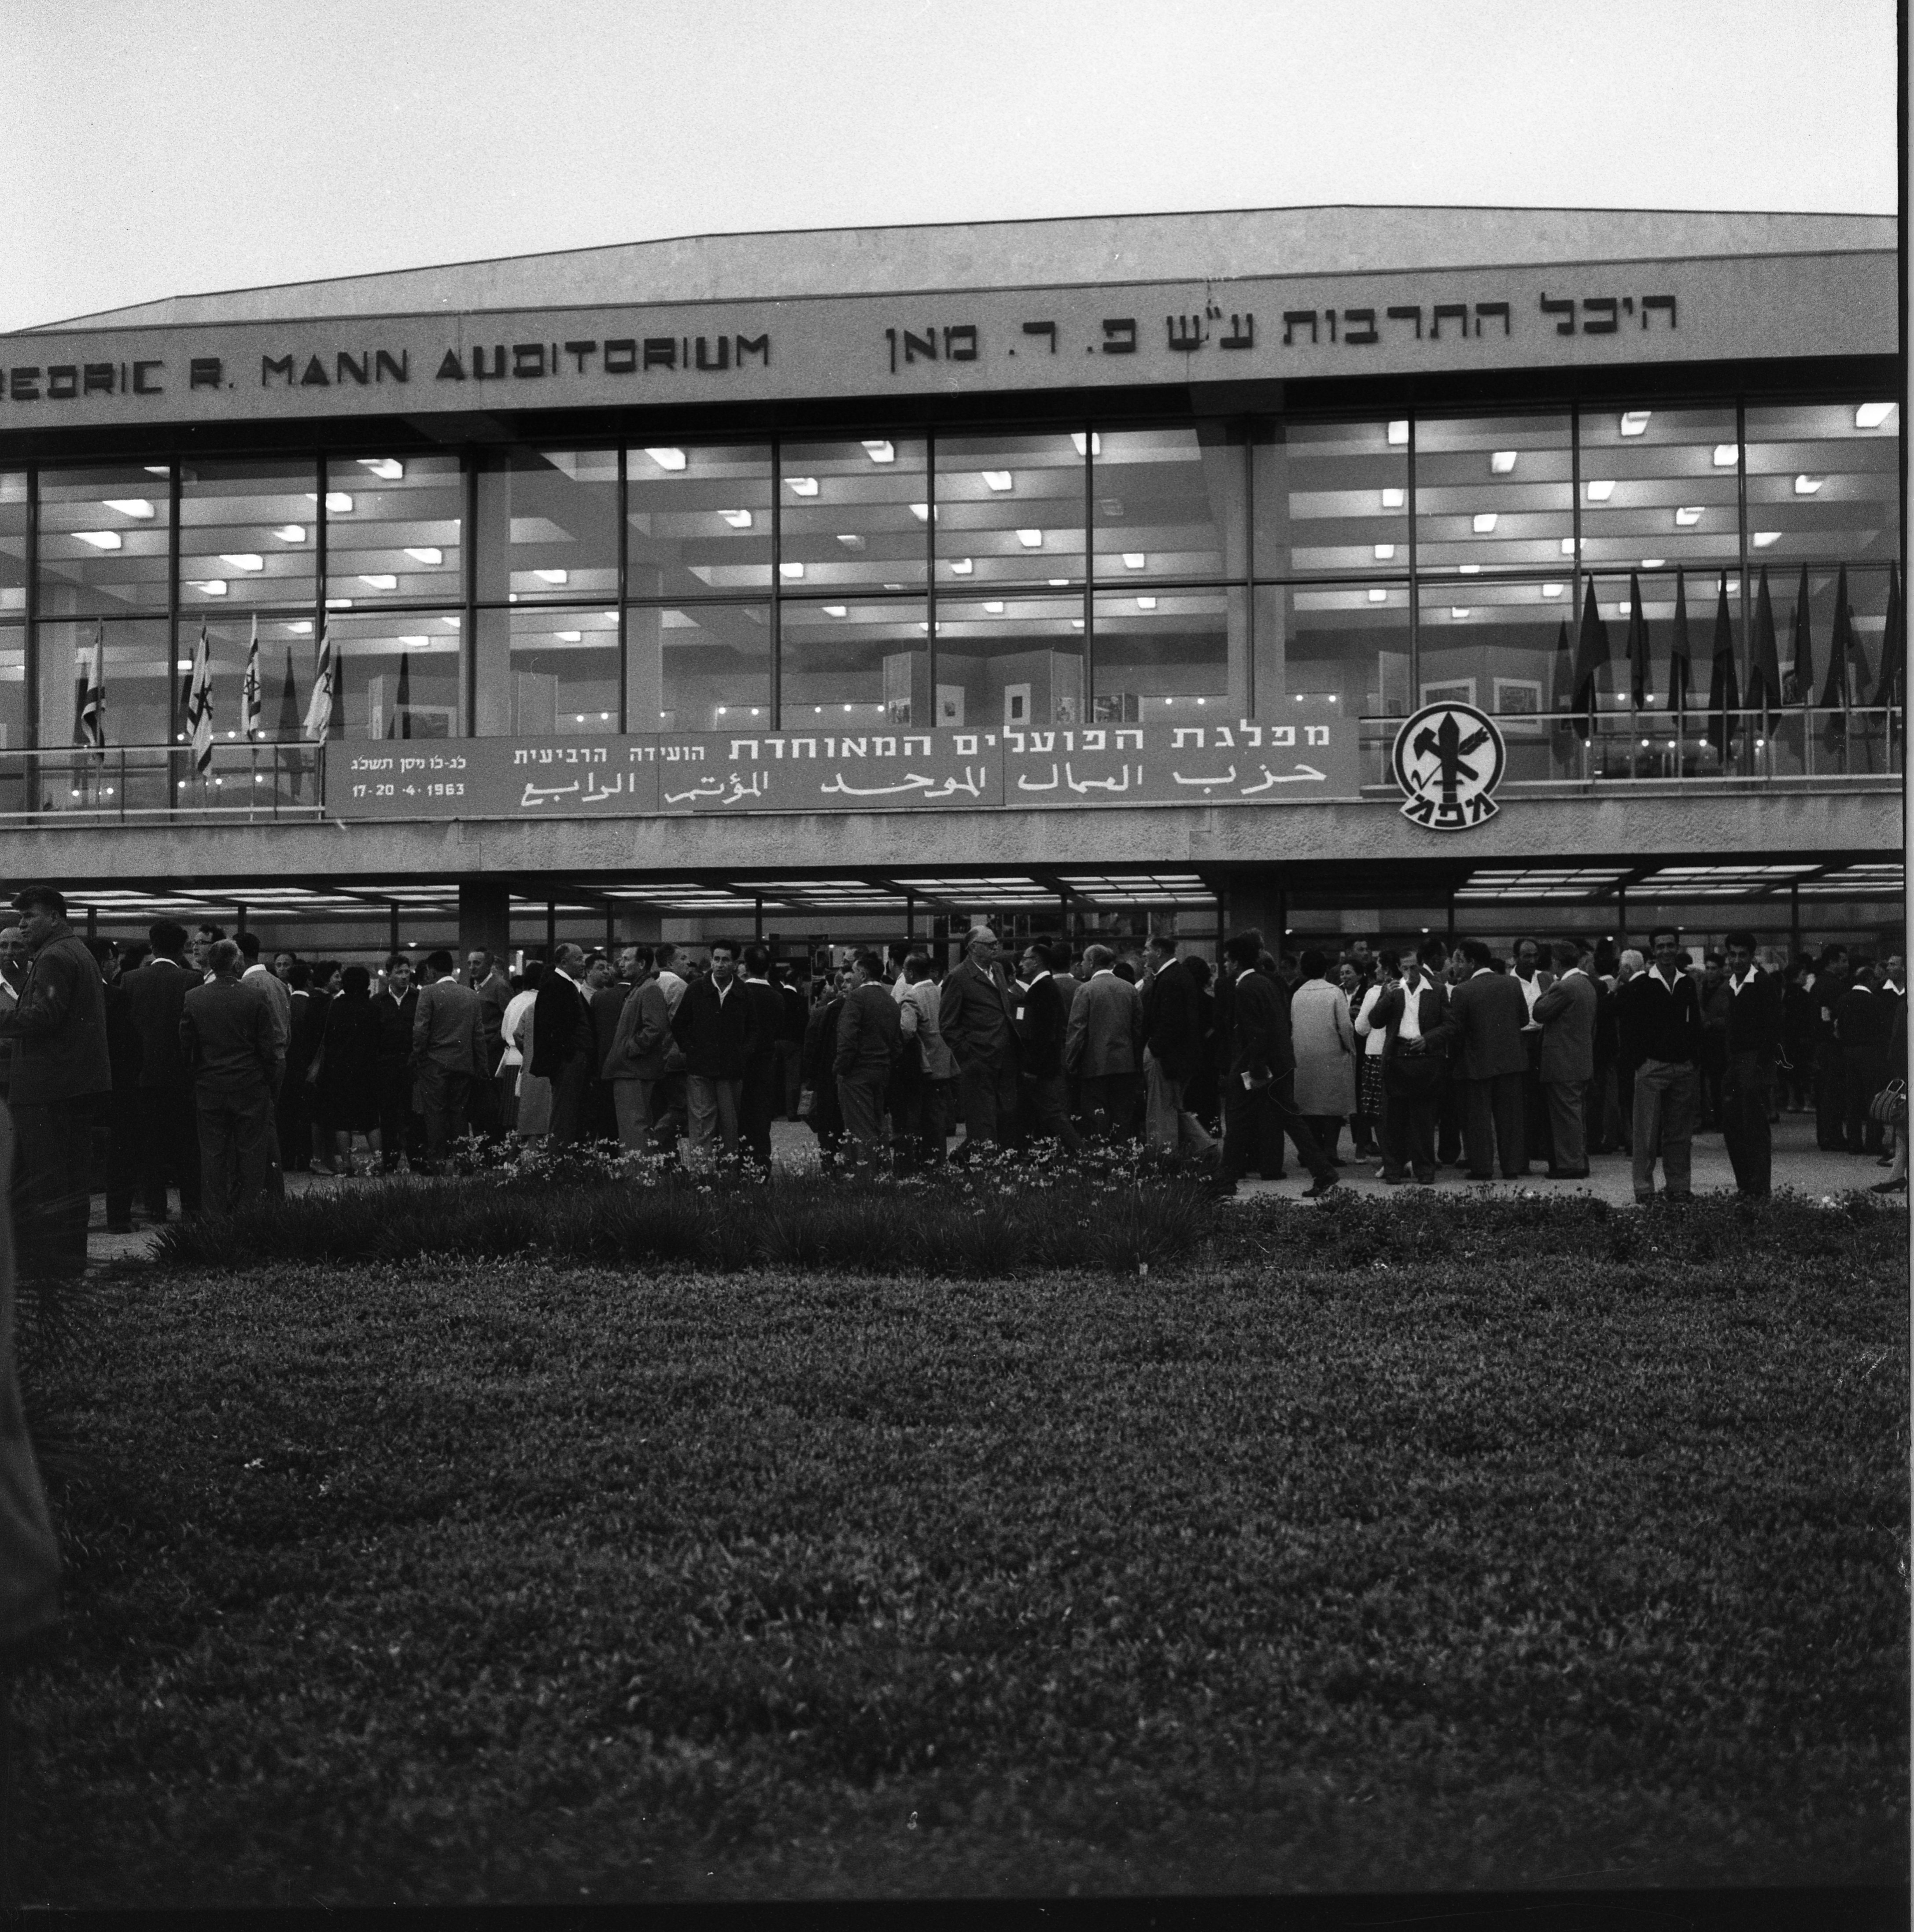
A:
1406, 1546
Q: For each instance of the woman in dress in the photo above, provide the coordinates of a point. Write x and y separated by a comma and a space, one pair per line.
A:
345, 1074
512, 1063
1324, 1038
534, 1119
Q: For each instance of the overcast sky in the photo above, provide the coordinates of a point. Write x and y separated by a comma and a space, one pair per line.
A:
151, 148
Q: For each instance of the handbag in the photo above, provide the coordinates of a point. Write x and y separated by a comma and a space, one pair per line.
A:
1889, 1106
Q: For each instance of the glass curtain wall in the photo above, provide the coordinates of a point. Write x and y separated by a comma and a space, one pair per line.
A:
1539, 562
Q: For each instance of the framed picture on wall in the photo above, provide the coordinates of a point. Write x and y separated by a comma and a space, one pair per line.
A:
1517, 699
1450, 691
1016, 705
950, 707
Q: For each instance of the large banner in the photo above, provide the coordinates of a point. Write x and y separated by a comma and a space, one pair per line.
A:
1302, 759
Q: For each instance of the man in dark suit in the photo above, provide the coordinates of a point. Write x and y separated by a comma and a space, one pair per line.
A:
1103, 1047
1041, 1024
1753, 1025
1863, 1022
564, 1045
61, 1075
714, 1026
1172, 1047
760, 1099
1566, 1012
1417, 1031
169, 1131
976, 1015
1492, 1062
226, 1037
1259, 1092
399, 1128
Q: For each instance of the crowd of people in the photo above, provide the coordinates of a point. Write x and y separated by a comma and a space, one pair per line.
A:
208, 1068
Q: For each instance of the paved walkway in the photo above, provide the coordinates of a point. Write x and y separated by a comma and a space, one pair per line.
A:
1798, 1164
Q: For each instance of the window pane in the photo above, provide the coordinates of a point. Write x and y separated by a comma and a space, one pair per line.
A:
1821, 486
1508, 648
695, 667
853, 514
1331, 498
103, 539
1348, 642
248, 532
1010, 510
1659, 487
548, 525
13, 540
700, 519
1009, 661
867, 661
13, 690
285, 646
541, 672
1168, 503
140, 683
1493, 493
399, 676
393, 529
1167, 655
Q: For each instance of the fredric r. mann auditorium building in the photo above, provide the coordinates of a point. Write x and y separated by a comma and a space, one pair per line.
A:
1329, 569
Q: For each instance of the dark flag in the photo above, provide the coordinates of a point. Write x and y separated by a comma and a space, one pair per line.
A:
291, 761
1841, 647
1765, 661
1562, 696
1800, 672
1723, 699
1891, 689
1635, 647
1679, 661
1591, 653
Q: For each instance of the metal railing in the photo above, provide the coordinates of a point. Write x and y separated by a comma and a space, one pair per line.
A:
1623, 746
131, 784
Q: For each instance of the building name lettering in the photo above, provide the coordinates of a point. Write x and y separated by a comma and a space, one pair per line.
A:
1188, 333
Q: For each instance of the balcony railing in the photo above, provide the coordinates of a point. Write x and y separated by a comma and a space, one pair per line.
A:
137, 783
1662, 748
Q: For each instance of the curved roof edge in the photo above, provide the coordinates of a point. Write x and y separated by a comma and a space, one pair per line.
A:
1220, 245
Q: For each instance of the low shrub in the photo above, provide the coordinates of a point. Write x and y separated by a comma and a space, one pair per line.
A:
1104, 1209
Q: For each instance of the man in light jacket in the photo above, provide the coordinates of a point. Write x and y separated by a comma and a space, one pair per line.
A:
448, 1056
1566, 1012
646, 1069
940, 1071
1103, 1045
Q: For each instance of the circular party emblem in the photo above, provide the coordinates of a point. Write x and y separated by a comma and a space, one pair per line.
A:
1448, 760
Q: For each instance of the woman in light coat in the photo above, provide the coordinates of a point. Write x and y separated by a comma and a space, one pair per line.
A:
1324, 1039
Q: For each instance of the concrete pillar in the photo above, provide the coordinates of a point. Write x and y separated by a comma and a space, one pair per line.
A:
484, 914
1258, 899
